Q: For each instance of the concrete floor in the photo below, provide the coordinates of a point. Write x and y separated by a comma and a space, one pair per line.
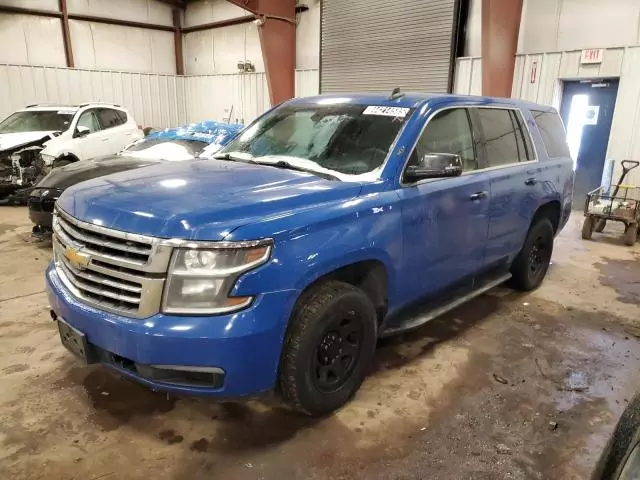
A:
470, 395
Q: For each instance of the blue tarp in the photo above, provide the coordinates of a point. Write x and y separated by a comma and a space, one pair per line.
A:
207, 131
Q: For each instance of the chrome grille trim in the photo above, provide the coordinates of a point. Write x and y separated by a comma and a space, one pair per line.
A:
110, 281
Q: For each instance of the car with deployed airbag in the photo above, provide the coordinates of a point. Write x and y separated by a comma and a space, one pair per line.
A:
327, 223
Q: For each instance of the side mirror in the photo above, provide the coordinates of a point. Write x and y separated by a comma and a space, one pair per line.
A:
81, 131
434, 165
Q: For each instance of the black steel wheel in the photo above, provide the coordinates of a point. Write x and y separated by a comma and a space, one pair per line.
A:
328, 348
531, 264
587, 228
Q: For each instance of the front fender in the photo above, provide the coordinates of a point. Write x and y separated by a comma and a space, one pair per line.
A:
365, 228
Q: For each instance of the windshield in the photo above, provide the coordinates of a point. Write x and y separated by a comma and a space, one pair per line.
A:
351, 141
37, 121
163, 149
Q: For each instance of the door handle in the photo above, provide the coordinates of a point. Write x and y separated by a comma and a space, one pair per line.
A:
530, 181
478, 196
104, 139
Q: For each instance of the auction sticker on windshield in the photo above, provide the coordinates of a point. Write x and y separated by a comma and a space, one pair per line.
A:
386, 111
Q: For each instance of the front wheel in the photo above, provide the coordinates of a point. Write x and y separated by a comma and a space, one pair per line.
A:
587, 228
530, 266
328, 348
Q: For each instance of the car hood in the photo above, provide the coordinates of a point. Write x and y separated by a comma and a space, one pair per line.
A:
200, 199
12, 140
77, 172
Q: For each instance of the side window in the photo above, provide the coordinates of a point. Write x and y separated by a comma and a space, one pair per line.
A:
89, 120
500, 140
122, 116
449, 131
525, 148
109, 118
552, 133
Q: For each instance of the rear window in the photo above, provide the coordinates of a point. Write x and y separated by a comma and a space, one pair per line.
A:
553, 134
110, 118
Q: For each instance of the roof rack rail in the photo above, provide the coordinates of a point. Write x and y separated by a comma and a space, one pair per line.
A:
50, 105
99, 103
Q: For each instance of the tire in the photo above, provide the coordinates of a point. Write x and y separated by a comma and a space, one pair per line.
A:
587, 228
625, 439
600, 224
631, 235
532, 262
309, 377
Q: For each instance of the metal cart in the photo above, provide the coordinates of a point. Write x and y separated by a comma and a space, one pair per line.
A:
621, 205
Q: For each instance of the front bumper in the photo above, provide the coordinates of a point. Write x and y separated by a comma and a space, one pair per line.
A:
245, 346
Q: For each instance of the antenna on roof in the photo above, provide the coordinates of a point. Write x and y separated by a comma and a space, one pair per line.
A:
396, 94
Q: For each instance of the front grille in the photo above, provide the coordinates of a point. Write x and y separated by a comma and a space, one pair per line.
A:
119, 272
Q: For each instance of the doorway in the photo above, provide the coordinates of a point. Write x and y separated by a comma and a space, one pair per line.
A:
587, 112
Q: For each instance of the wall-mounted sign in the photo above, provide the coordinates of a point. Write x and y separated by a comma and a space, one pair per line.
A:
592, 55
534, 71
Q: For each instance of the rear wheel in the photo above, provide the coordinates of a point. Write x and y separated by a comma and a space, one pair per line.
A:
631, 234
587, 228
328, 348
530, 266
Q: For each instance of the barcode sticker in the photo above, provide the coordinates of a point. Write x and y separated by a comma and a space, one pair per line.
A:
386, 111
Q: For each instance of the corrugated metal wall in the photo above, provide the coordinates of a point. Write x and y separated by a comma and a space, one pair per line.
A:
545, 87
377, 45
154, 100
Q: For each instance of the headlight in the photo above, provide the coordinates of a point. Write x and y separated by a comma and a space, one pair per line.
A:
47, 159
200, 280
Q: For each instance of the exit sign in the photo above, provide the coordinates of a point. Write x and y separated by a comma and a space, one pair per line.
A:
593, 55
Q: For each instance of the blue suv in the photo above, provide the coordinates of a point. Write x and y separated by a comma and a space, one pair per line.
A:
278, 264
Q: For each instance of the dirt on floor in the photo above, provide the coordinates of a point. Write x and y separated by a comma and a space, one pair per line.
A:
509, 386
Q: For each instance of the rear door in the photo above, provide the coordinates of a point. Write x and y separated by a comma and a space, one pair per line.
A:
115, 126
445, 220
514, 175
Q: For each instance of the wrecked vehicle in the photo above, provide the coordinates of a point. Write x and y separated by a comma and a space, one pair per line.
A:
41, 137
169, 145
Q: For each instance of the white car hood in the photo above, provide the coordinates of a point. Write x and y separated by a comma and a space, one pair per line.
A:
10, 140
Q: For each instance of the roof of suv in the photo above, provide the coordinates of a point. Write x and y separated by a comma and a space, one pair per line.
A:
414, 100
53, 106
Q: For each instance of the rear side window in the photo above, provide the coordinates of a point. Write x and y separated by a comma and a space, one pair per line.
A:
110, 118
500, 136
552, 133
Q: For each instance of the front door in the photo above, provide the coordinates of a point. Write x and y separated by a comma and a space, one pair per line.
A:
96, 142
587, 111
445, 221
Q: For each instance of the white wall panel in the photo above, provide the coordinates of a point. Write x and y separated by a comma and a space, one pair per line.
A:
468, 76
218, 51
308, 37
553, 67
218, 97
146, 11
560, 25
307, 83
116, 47
38, 4
207, 11
152, 99
27, 39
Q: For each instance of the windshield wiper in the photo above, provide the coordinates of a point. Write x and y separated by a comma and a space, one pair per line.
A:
289, 166
233, 158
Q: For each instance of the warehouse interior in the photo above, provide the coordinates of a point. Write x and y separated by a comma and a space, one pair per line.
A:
510, 384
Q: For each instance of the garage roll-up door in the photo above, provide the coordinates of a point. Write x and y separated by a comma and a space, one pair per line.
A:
377, 45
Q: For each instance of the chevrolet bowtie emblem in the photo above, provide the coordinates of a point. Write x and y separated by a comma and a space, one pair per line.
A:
77, 258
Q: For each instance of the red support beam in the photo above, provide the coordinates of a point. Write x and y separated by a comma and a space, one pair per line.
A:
277, 30
66, 33
177, 41
218, 24
500, 29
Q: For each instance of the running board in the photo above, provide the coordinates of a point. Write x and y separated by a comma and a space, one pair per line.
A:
422, 318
